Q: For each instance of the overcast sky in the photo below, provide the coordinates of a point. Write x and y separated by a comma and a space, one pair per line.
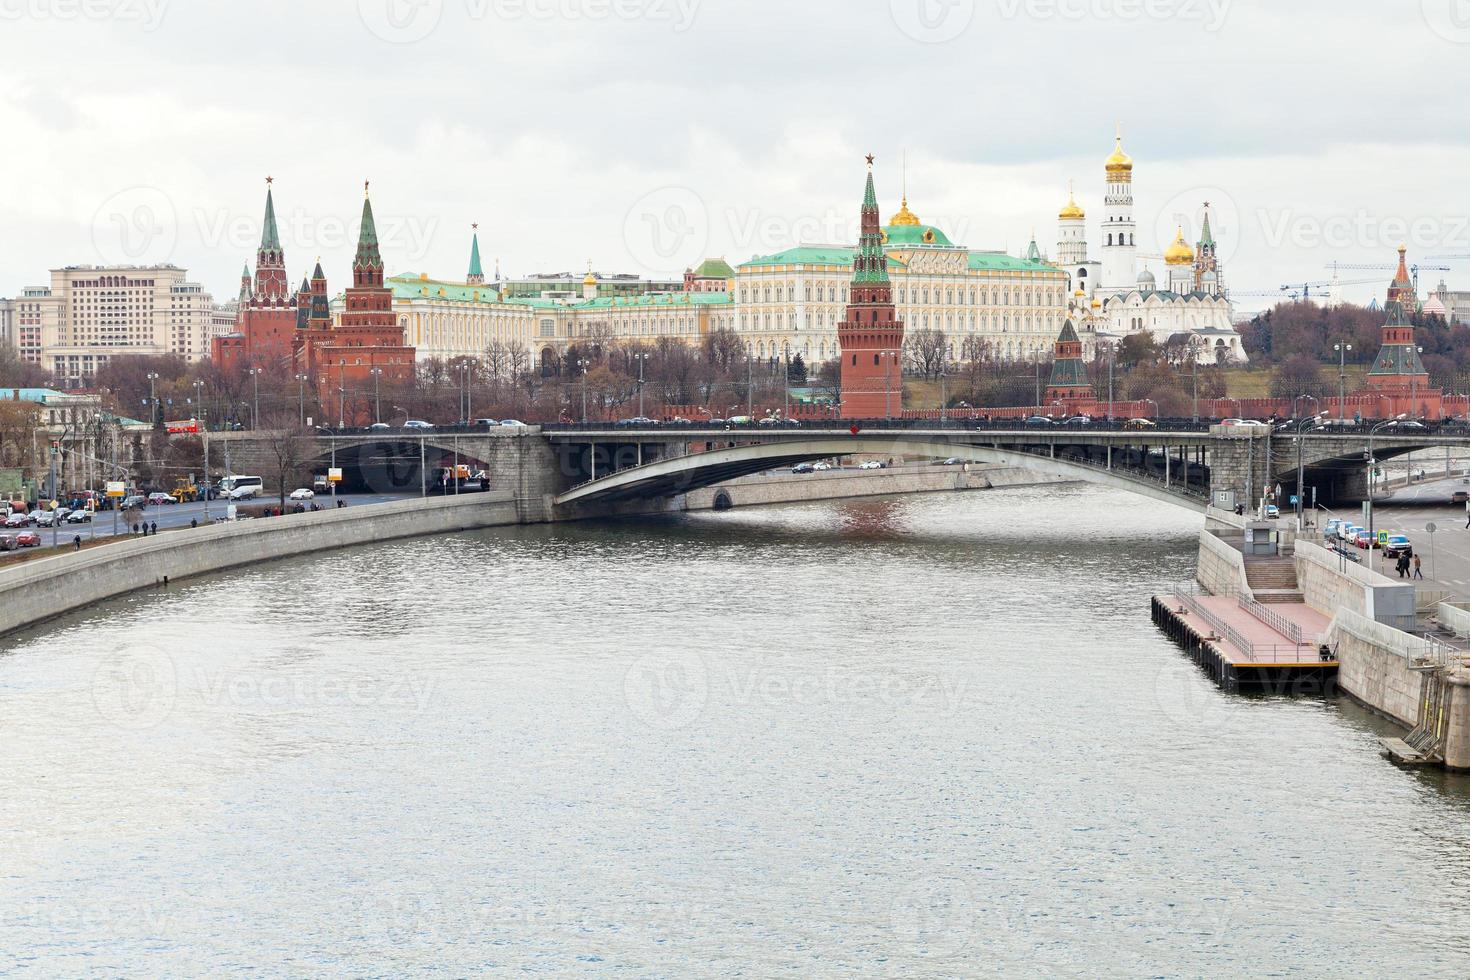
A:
646, 134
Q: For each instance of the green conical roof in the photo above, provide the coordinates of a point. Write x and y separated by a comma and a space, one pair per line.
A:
1069, 333
317, 272
269, 237
367, 239
475, 269
870, 197
870, 265
1205, 235
245, 273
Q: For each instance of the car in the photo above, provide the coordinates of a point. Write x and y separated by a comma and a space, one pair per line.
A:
1039, 422
1078, 422
136, 502
1272, 512
79, 516
1460, 497
417, 424
320, 483
1407, 424
739, 420
19, 520
1348, 533
28, 539
1364, 540
9, 543
244, 493
871, 464
1139, 424
487, 422
1398, 544
952, 461
635, 420
159, 497
512, 423
714, 421
301, 493
821, 466
380, 425
46, 518
803, 468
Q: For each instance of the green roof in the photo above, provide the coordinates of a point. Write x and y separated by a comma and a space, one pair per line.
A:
410, 285
1001, 262
636, 301
916, 235
269, 237
812, 255
714, 269
475, 269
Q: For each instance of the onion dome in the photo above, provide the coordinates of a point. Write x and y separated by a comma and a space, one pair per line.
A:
904, 215
1179, 253
1146, 280
1071, 211
1119, 164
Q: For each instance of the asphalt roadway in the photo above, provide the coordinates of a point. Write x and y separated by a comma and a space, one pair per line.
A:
1410, 510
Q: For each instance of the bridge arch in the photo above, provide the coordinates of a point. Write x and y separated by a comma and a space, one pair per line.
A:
681, 474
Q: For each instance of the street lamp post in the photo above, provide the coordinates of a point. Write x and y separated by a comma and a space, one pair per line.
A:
1371, 432
1414, 391
301, 398
153, 398
1301, 491
640, 357
582, 367
749, 385
786, 381
1342, 352
377, 373
1194, 373
1150, 401
255, 410
890, 358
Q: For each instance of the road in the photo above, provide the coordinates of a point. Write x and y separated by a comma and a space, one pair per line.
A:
1409, 511
168, 516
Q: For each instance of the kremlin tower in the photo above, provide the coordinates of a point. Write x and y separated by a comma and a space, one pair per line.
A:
870, 334
1069, 384
1397, 370
266, 320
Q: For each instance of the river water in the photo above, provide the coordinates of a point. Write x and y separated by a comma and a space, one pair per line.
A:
923, 736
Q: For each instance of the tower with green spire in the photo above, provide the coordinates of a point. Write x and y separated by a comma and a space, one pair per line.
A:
369, 306
1069, 384
870, 335
271, 287
476, 275
1206, 261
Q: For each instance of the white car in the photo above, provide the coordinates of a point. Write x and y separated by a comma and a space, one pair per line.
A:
871, 464
511, 423
244, 493
821, 465
417, 424
302, 494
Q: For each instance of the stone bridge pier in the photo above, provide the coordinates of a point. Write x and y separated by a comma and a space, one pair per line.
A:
1240, 465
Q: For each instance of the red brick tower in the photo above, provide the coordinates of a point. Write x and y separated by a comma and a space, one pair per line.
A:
1069, 385
870, 334
267, 320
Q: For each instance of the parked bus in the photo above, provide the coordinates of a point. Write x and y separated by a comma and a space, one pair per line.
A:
241, 487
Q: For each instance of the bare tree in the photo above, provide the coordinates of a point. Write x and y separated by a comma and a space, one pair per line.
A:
287, 450
925, 349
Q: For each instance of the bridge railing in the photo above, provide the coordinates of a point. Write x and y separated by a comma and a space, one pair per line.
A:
1286, 627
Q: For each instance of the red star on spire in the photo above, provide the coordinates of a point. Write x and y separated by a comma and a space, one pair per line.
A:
870, 159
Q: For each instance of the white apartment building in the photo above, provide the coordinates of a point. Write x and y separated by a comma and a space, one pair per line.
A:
90, 314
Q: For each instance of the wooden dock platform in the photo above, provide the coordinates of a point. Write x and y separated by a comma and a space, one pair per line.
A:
1244, 646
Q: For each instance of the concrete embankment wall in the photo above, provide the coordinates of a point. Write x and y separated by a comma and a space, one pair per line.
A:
1375, 661
1221, 568
784, 488
1330, 583
38, 590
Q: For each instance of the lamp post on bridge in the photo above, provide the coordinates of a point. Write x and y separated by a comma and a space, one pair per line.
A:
1342, 352
890, 358
1301, 490
1194, 345
642, 358
255, 405
582, 364
1150, 401
377, 374
301, 400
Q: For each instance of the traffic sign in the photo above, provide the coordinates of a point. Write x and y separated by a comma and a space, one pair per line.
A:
117, 488
334, 474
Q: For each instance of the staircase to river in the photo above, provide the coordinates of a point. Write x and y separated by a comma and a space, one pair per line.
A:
1272, 579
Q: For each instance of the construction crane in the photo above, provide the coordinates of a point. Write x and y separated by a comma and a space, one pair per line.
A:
1386, 267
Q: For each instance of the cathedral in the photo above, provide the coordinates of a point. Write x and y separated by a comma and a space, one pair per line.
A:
1113, 297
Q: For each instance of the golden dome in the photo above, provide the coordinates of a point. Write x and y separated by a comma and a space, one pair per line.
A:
1179, 253
1119, 164
904, 215
1080, 292
1096, 303
1071, 211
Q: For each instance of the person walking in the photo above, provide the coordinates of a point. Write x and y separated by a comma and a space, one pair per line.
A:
77, 543
1418, 572
153, 528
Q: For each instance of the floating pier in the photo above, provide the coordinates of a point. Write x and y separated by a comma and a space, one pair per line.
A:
1244, 646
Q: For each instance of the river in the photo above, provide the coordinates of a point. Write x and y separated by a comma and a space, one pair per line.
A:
921, 736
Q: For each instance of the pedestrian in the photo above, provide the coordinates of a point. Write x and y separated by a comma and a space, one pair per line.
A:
1398, 566
153, 528
135, 528
1418, 572
193, 522
77, 543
